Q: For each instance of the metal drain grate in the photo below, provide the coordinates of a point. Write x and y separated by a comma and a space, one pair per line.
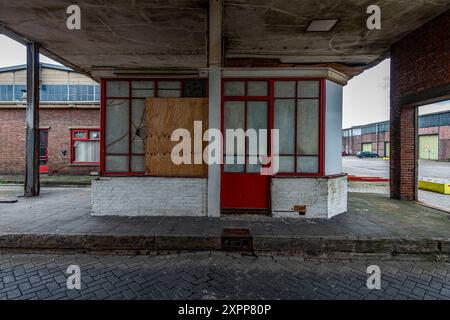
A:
237, 240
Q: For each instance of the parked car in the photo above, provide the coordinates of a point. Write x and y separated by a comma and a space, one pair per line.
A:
367, 154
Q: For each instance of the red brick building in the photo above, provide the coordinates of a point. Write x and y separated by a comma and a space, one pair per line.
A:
433, 137
69, 121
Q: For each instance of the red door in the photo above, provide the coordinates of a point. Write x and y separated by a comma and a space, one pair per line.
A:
243, 186
43, 151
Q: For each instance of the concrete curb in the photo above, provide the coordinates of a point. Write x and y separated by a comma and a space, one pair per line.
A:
261, 244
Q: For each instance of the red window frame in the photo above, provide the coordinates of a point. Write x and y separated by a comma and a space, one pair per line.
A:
130, 98
73, 139
271, 102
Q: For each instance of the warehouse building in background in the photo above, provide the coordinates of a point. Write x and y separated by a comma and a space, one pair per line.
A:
69, 121
433, 144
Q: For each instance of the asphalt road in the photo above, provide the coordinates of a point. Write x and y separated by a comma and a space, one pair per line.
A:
433, 170
218, 276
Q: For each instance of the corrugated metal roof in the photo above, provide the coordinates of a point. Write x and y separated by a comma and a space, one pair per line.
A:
43, 66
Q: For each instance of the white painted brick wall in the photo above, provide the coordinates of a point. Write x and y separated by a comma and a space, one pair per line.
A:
149, 196
324, 198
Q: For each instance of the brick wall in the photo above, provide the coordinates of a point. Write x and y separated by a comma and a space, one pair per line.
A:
149, 196
420, 73
324, 198
12, 142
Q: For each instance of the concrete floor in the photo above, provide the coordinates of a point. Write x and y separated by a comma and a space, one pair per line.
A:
428, 170
67, 211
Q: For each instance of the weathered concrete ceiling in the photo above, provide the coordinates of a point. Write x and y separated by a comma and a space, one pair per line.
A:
134, 34
116, 33
276, 28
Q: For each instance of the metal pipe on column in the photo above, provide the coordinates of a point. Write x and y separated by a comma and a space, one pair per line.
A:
32, 185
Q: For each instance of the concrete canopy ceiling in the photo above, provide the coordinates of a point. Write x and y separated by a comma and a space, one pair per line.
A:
144, 34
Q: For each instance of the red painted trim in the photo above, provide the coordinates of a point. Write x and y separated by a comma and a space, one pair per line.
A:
367, 179
72, 144
271, 101
129, 98
102, 125
43, 168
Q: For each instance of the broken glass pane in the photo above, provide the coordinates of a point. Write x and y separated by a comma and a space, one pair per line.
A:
116, 127
138, 132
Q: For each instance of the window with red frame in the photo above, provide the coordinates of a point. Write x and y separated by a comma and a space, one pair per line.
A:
296, 111
86, 146
123, 118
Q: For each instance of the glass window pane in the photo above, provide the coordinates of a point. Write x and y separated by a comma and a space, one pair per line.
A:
169, 89
136, 85
80, 135
257, 89
169, 93
169, 85
116, 163
253, 164
308, 118
86, 151
257, 114
308, 89
137, 164
194, 88
138, 132
231, 164
234, 118
117, 89
285, 89
234, 88
286, 164
308, 164
94, 135
284, 120
143, 89
116, 127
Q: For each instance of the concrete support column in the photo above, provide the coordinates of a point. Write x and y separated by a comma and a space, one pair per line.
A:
215, 98
403, 155
215, 122
32, 186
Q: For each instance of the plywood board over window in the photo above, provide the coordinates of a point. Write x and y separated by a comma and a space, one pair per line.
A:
163, 117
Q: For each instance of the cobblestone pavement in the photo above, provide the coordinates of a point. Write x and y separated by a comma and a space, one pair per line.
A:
218, 276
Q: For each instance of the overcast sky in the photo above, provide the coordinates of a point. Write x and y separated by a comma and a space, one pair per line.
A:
366, 97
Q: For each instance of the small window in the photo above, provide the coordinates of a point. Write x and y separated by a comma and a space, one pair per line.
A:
86, 146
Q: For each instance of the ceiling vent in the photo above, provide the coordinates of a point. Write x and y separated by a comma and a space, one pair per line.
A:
322, 25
